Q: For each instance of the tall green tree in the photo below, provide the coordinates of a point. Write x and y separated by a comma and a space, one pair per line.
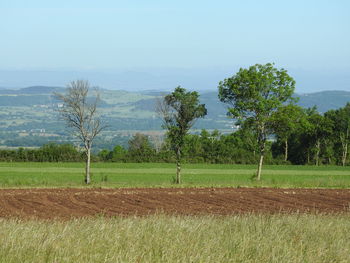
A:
340, 119
318, 133
253, 95
179, 110
285, 121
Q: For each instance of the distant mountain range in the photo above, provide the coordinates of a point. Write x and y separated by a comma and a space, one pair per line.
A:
325, 100
33, 90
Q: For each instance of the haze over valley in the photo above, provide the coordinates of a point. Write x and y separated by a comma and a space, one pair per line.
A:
29, 117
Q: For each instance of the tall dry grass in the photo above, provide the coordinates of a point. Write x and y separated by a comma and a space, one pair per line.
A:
161, 238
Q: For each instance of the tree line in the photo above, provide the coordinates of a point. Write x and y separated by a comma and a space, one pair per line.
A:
301, 136
51, 152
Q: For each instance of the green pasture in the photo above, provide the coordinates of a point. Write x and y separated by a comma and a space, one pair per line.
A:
161, 175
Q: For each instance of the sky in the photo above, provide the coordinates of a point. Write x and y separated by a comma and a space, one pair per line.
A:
193, 41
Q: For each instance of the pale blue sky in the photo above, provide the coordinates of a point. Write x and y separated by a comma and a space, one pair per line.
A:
122, 35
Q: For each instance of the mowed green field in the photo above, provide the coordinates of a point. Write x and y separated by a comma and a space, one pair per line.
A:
161, 175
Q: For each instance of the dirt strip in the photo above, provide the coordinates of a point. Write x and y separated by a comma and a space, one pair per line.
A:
68, 203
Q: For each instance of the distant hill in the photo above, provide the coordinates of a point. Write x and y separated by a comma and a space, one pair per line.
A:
33, 90
145, 100
325, 100
28, 116
41, 90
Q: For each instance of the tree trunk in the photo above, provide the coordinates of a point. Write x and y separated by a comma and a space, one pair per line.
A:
87, 168
178, 166
345, 153
258, 173
318, 149
262, 145
286, 150
344, 142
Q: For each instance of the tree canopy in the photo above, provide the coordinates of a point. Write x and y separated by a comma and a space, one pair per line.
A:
179, 110
253, 95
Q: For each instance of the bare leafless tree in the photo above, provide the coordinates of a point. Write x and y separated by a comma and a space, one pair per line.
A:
157, 141
80, 113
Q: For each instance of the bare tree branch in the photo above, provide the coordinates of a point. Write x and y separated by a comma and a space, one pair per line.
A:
80, 114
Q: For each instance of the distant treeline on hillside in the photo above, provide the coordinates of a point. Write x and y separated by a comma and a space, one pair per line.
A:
301, 136
317, 140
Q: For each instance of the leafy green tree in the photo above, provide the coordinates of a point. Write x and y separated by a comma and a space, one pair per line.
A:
118, 154
253, 95
53, 152
318, 131
246, 138
179, 110
285, 121
104, 155
140, 149
211, 146
22, 154
8, 155
340, 119
301, 142
193, 148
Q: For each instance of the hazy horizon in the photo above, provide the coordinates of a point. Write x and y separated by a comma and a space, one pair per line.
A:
162, 79
155, 44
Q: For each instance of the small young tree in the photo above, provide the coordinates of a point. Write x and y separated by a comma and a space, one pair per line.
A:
80, 113
179, 111
254, 94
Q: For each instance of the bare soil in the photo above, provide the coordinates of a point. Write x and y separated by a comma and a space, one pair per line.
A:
69, 203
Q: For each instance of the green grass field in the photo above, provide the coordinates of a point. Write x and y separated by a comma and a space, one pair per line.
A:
160, 238
161, 175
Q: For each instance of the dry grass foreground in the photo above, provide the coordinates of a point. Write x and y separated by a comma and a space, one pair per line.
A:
72, 203
163, 238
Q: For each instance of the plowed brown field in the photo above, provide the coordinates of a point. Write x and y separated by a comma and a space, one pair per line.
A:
68, 203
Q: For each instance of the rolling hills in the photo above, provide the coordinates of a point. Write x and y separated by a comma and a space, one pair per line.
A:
28, 116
